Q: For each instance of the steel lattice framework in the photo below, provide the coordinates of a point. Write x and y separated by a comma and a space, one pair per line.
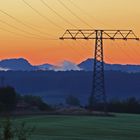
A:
98, 96
92, 34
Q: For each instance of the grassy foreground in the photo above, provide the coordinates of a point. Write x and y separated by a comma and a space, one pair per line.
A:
121, 127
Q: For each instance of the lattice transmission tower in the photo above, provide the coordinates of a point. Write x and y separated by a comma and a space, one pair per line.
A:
98, 98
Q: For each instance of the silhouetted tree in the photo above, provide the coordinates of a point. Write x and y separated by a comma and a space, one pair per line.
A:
8, 98
36, 101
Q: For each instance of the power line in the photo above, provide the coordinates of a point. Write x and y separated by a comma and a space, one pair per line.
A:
124, 52
73, 13
75, 50
131, 49
75, 43
134, 50
24, 24
34, 35
17, 33
98, 95
59, 15
113, 59
138, 45
82, 46
15, 27
46, 18
86, 13
109, 58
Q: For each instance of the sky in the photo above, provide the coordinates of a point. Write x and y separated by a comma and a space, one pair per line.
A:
31, 29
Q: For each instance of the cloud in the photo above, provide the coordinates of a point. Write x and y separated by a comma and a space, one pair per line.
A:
66, 66
4, 69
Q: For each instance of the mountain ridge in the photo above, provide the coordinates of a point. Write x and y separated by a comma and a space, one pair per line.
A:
87, 65
21, 64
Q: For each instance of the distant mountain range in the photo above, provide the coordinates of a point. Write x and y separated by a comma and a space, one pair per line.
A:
22, 64
16, 65
87, 65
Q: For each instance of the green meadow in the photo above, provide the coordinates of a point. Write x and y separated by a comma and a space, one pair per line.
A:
120, 127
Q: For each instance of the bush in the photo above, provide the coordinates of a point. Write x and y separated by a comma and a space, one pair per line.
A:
36, 101
10, 132
23, 132
7, 130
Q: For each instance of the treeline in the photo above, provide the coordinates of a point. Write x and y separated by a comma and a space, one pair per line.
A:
49, 84
130, 105
10, 100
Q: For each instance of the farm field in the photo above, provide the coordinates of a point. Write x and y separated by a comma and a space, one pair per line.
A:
120, 127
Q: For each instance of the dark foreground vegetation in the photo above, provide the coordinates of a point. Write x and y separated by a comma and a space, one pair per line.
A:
56, 127
11, 101
54, 87
64, 127
14, 131
130, 105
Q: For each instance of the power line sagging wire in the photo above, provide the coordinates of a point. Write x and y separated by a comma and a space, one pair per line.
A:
138, 46
75, 51
41, 15
59, 15
109, 57
68, 9
71, 48
81, 53
83, 47
23, 31
133, 48
21, 35
125, 53
22, 23
17, 34
133, 51
87, 14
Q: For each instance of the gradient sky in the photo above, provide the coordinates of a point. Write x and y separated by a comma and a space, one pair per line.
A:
33, 33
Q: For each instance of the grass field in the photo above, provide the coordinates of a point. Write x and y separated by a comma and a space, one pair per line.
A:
121, 127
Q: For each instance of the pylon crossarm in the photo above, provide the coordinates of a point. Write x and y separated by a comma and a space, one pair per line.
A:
98, 95
91, 34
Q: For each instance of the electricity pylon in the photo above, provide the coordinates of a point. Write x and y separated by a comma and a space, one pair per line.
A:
98, 95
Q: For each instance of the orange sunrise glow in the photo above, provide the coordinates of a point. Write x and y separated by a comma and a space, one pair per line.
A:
31, 29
